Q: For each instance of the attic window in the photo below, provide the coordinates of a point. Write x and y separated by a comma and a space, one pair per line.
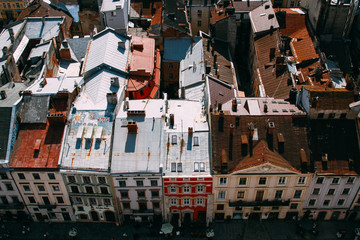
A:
285, 110
275, 110
292, 110
173, 139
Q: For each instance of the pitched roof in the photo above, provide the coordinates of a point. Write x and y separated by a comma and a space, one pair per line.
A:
104, 49
275, 85
175, 49
78, 46
292, 128
246, 6
218, 92
261, 155
174, 15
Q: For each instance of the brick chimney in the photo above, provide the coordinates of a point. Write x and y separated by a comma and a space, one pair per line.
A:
281, 143
221, 121
324, 160
132, 126
244, 145
303, 160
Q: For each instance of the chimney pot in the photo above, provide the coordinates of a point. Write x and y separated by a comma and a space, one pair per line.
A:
190, 130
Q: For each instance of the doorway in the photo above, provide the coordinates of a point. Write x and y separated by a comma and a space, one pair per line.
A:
94, 216
110, 216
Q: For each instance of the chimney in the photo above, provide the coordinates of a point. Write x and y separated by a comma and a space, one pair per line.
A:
115, 82
234, 105
215, 61
271, 128
43, 83
351, 164
281, 143
111, 98
221, 121
190, 131
2, 94
219, 107
304, 160
11, 33
132, 127
293, 95
126, 104
65, 53
4, 50
244, 145
324, 160
265, 108
172, 120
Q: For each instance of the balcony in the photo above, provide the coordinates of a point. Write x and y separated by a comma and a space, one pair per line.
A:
18, 205
47, 206
264, 203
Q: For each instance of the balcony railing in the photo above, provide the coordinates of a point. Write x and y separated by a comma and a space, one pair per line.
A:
264, 203
18, 205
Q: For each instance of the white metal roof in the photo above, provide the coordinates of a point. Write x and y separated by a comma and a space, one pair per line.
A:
104, 49
54, 85
111, 5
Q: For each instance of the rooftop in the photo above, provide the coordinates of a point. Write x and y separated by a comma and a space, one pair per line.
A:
175, 16
138, 150
186, 140
109, 49
219, 92
175, 49
263, 18
112, 5
142, 56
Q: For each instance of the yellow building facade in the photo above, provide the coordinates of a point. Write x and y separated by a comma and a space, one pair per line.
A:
10, 10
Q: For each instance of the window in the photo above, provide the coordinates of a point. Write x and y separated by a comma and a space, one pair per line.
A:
89, 189
92, 201
113, 13
346, 191
3, 176
173, 139
31, 199
86, 179
9, 6
4, 200
55, 188
36, 176
350, 180
312, 202
326, 202
126, 205
71, 179
41, 188
78, 200
15, 199
9, 187
220, 207
173, 189
139, 183
223, 181
319, 180
297, 193
202, 167
186, 201
282, 180
196, 167
316, 191
154, 183
171, 76
74, 189
200, 188
293, 206
80, 209
331, 115
221, 195
170, 66
51, 176
196, 141
21, 176
199, 201
141, 194
46, 200
292, 4
179, 167
242, 181
331, 191
173, 201
301, 180
155, 194
335, 181
26, 188
124, 194
4, 5
341, 202
199, 23
240, 194
262, 181
59, 199
199, 13
275, 208
52, 215
107, 202
102, 180
104, 190
278, 194
173, 167
186, 189
122, 183
17, 5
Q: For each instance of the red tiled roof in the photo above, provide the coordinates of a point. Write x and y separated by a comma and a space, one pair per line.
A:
49, 137
142, 57
217, 14
293, 130
275, 86
261, 155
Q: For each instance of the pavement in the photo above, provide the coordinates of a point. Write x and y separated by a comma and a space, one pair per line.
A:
227, 230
